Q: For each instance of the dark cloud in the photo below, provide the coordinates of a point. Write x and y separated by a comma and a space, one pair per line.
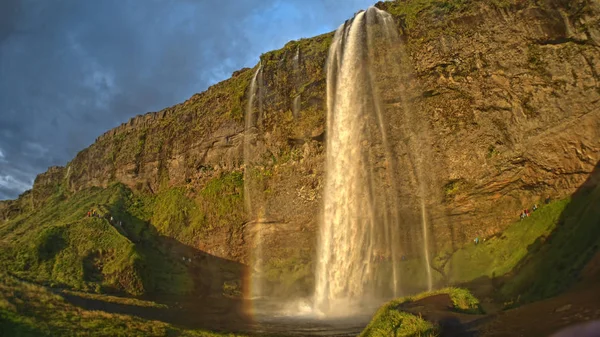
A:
72, 69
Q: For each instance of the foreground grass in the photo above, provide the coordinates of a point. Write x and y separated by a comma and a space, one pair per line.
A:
27, 309
116, 299
390, 321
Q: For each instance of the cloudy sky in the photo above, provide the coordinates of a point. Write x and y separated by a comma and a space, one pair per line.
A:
72, 69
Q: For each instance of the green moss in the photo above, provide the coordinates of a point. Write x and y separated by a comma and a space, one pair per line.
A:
291, 273
462, 299
173, 212
390, 320
453, 187
139, 149
222, 199
411, 11
492, 151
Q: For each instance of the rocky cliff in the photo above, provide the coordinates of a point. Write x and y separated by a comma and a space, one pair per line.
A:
507, 92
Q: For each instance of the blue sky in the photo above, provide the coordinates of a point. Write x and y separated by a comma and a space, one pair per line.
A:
72, 69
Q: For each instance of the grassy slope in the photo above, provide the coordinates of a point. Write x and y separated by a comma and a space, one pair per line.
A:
31, 310
538, 257
499, 255
58, 245
388, 320
556, 262
174, 213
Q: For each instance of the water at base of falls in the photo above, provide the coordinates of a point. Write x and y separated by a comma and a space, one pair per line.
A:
298, 317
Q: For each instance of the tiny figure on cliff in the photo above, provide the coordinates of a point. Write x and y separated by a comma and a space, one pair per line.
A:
535, 207
547, 201
89, 214
111, 219
476, 240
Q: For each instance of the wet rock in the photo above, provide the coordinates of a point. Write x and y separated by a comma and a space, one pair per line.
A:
563, 308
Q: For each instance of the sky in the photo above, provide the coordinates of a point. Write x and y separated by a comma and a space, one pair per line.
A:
72, 69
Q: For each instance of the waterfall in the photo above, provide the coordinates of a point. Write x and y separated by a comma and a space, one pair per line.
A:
426, 244
360, 236
253, 211
296, 67
296, 107
249, 137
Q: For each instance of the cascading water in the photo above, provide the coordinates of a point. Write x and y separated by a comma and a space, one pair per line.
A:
252, 201
249, 133
360, 235
426, 244
296, 101
296, 107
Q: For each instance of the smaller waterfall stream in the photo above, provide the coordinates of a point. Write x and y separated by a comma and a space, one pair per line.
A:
426, 244
254, 211
249, 134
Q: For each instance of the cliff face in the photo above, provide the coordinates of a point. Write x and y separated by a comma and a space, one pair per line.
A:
508, 93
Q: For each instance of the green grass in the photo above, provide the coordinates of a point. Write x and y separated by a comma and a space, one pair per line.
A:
499, 255
58, 245
222, 199
389, 320
174, 214
537, 257
27, 309
411, 11
555, 262
314, 45
115, 299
